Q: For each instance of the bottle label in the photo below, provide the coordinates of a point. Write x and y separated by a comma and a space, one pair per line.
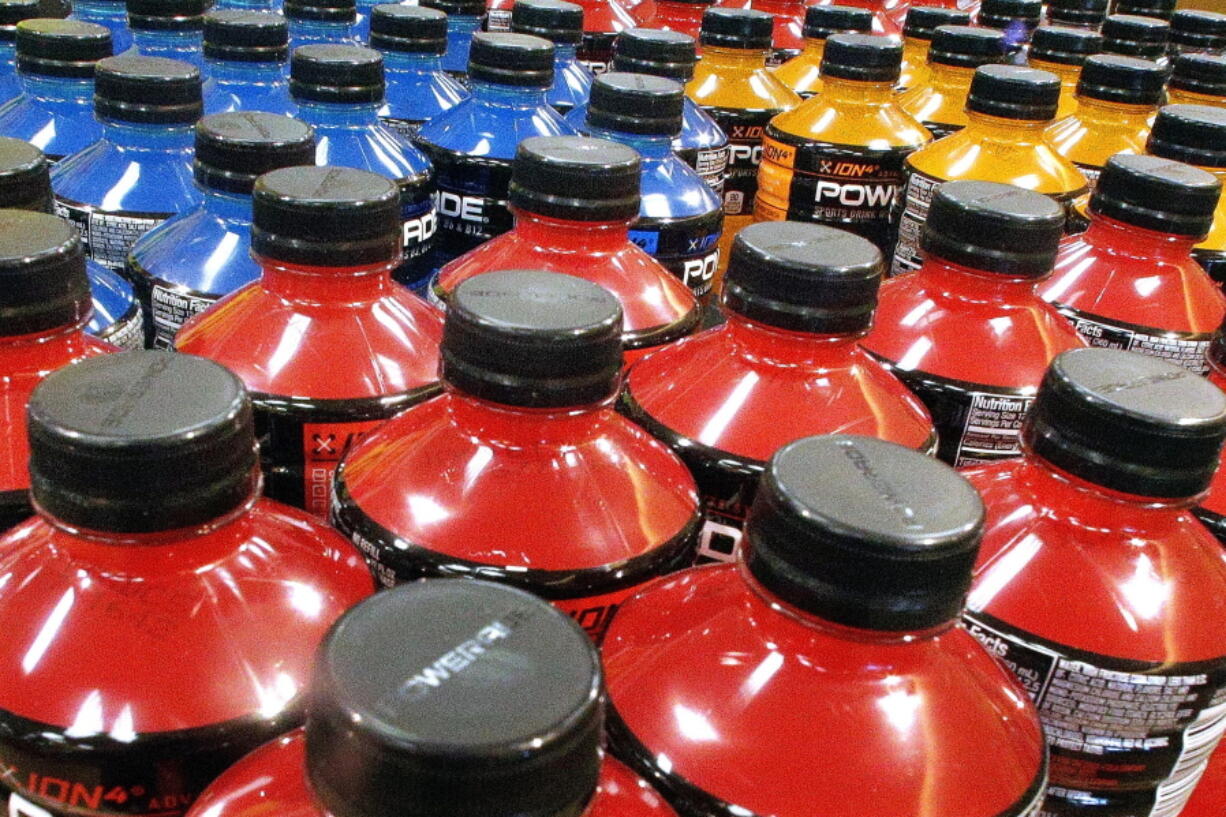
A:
127, 333
403, 127
589, 595
108, 236
711, 164
1091, 172
498, 20
686, 246
1215, 522
171, 305
302, 441
52, 771
745, 130
1186, 349
596, 51
1214, 263
471, 200
419, 224
850, 187
1127, 738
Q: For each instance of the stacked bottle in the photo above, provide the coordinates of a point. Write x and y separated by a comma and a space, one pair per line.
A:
1198, 79
321, 22
684, 16
1194, 31
12, 12
111, 14
1063, 51
1158, 9
1078, 13
560, 23
1016, 19
939, 102
245, 54
803, 72
413, 40
171, 29
1131, 36
603, 22
463, 21
919, 28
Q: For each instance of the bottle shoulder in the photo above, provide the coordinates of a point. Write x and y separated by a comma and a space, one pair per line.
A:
272, 778
476, 127
199, 250
1025, 164
112, 177
879, 126
372, 148
1093, 143
751, 90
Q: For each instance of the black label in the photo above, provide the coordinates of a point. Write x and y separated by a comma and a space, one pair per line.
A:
1186, 349
596, 50
1215, 522
498, 20
169, 305
745, 129
108, 236
710, 163
1214, 262
940, 130
471, 200
418, 227
686, 246
14, 508
1127, 738
128, 332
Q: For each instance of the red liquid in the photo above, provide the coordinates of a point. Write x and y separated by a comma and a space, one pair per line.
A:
672, 15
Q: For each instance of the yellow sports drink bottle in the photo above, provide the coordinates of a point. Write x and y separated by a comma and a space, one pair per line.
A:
1130, 35
1198, 79
838, 159
731, 83
802, 73
1077, 13
918, 29
1063, 50
1016, 19
1194, 31
1009, 107
956, 51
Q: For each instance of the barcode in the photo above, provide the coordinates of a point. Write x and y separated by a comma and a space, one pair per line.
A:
1199, 741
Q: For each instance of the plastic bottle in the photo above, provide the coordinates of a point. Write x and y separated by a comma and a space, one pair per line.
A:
731, 83
12, 12
680, 218
967, 332
151, 524
559, 494
328, 345
55, 111
472, 144
939, 102
1159, 9
1196, 135
272, 6
786, 365
702, 145
1117, 98
110, 13
1198, 79
1211, 509
1131, 36
1077, 13
919, 28
464, 18
454, 748
172, 29
321, 22
44, 308
838, 159
184, 265
562, 24
1128, 666
1129, 281
1016, 18
140, 173
833, 641
1008, 108
1063, 51
1194, 31
684, 16
25, 184
246, 53
412, 40
574, 200
802, 73
339, 90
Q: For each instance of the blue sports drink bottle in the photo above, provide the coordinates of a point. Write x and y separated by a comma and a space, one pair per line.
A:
412, 40
173, 29
246, 54
562, 24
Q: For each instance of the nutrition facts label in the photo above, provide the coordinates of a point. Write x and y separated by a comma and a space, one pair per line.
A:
172, 306
108, 236
1186, 349
498, 20
712, 166
918, 196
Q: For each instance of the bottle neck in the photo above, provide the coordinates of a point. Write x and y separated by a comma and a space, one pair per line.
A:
228, 206
1069, 74
949, 79
512, 96
1137, 242
1107, 114
100, 9
551, 233
329, 28
147, 137
346, 114
1100, 507
813, 50
415, 63
781, 347
853, 92
57, 88
517, 427
649, 146
785, 8
334, 286
564, 53
192, 39
42, 351
999, 129
733, 59
976, 286
239, 71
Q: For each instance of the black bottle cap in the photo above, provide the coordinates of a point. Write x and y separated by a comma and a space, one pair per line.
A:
1134, 36
13, 12
1198, 29
636, 103
329, 11
670, 54
966, 46
336, 73
1003, 14
457, 8
746, 29
491, 703
61, 48
1014, 92
922, 22
1128, 80
862, 57
408, 29
1200, 74
534, 339
141, 442
326, 217
1085, 13
1161, 9
994, 228
233, 149
574, 178
147, 90
25, 176
1064, 45
520, 60
822, 21
1128, 422
1193, 134
803, 278
42, 274
1157, 194
554, 20
166, 15
864, 533
234, 35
